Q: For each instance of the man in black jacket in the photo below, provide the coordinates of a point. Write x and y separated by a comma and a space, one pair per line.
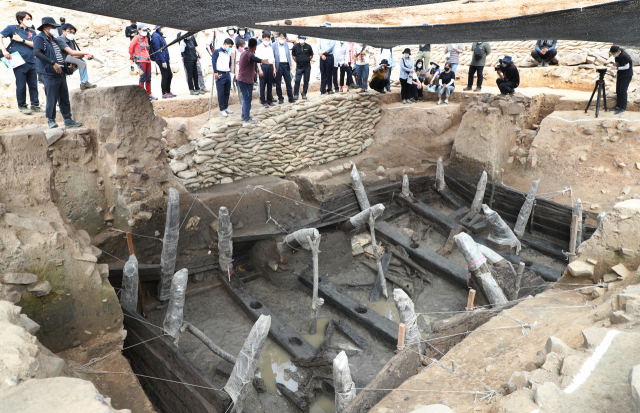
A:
624, 65
509, 76
302, 53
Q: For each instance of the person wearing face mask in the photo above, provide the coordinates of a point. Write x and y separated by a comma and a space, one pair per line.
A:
544, 52
302, 53
266, 72
162, 60
406, 67
478, 60
221, 61
190, 59
415, 87
236, 52
624, 64
509, 76
420, 74
282, 56
69, 46
446, 83
139, 54
242, 34
345, 60
21, 37
362, 65
380, 77
433, 74
246, 74
50, 64
454, 50
387, 54
326, 49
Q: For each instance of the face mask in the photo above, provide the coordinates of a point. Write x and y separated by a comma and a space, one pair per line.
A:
54, 32
266, 42
27, 23
504, 65
406, 55
419, 66
227, 49
280, 41
241, 32
446, 69
433, 66
143, 34
301, 41
70, 36
231, 32
161, 30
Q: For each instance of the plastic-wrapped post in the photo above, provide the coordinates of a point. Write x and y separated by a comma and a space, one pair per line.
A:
173, 317
491, 256
225, 243
344, 386
525, 211
600, 218
500, 232
169, 245
478, 199
361, 194
129, 292
406, 193
577, 212
382, 281
440, 185
516, 289
407, 316
361, 218
245, 367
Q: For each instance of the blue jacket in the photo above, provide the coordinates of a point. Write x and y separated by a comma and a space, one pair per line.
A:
276, 53
215, 56
157, 43
46, 44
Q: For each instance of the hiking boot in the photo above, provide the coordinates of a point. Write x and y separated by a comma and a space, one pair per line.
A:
87, 85
36, 109
52, 124
194, 92
478, 89
304, 96
70, 123
25, 110
466, 89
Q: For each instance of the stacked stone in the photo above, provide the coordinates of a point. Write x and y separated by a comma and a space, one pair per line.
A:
285, 139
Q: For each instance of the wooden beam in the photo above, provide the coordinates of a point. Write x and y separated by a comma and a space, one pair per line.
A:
352, 335
445, 223
547, 273
544, 246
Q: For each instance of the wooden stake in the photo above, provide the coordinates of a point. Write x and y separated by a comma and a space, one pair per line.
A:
130, 244
518, 279
140, 305
401, 336
574, 238
471, 299
345, 388
169, 245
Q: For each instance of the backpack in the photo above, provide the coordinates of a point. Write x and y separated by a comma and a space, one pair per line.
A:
478, 53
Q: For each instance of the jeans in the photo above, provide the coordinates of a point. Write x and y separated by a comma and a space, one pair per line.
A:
26, 77
240, 96
300, 72
472, 70
145, 77
389, 83
266, 84
284, 70
326, 74
57, 92
335, 79
363, 75
547, 57
191, 69
506, 87
454, 66
247, 94
622, 84
378, 85
345, 69
447, 91
84, 74
223, 89
167, 75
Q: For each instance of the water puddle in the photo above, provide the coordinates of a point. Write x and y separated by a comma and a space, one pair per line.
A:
316, 339
386, 309
272, 365
323, 404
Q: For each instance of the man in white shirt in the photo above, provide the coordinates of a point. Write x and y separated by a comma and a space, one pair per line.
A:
221, 62
325, 51
267, 73
282, 56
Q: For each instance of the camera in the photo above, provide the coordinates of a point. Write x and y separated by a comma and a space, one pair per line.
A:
498, 66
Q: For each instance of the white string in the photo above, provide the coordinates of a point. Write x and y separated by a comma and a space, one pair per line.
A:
110, 254
137, 235
298, 202
185, 217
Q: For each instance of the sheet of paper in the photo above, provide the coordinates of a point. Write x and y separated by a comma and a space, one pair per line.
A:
16, 60
72, 60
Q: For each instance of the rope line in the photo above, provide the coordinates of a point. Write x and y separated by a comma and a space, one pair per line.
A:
137, 235
109, 254
95, 360
148, 377
186, 216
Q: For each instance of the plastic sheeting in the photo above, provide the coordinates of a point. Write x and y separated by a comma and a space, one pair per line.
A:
407, 316
173, 318
344, 386
491, 256
440, 184
129, 292
358, 188
470, 251
169, 245
362, 218
614, 22
525, 211
406, 193
500, 231
300, 236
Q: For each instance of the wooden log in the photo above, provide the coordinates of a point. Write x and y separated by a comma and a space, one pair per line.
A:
544, 246
291, 396
449, 243
225, 242
207, 342
377, 324
405, 192
444, 223
401, 334
526, 209
352, 335
280, 332
459, 213
452, 198
518, 280
381, 280
173, 318
140, 301
169, 245
377, 285
388, 276
362, 218
328, 333
358, 188
547, 273
410, 263
440, 184
345, 391
478, 199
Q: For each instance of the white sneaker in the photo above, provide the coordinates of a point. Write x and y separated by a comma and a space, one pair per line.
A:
223, 113
439, 102
446, 102
404, 101
228, 111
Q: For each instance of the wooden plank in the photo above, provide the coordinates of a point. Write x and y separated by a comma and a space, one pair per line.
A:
352, 335
452, 199
459, 213
547, 273
279, 332
544, 246
164, 360
423, 255
377, 324
445, 223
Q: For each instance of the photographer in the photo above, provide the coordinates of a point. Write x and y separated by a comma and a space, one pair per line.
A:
625, 73
509, 76
544, 52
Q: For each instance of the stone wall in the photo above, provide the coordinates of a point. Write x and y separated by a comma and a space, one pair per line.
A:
285, 139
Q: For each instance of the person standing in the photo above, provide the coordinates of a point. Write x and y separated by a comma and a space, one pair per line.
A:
362, 66
236, 52
50, 64
544, 52
380, 77
162, 60
70, 47
130, 32
387, 54
22, 35
446, 83
454, 50
282, 56
190, 56
221, 62
325, 51
246, 74
509, 76
406, 67
624, 64
139, 54
242, 34
267, 72
345, 60
480, 52
302, 53
424, 52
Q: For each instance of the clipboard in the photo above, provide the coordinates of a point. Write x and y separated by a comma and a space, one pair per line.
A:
72, 60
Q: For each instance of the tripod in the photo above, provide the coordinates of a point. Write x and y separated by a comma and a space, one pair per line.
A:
600, 87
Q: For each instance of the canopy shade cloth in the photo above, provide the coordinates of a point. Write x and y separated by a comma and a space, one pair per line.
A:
196, 15
616, 22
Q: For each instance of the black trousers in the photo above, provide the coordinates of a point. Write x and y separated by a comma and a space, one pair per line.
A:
300, 72
622, 85
57, 92
415, 92
378, 85
326, 74
284, 70
346, 69
167, 75
266, 84
475, 70
26, 77
335, 79
506, 87
192, 75
405, 90
544, 57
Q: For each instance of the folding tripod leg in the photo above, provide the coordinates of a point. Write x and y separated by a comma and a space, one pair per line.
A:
600, 88
590, 100
604, 97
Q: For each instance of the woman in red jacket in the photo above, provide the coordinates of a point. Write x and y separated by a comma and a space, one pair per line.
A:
139, 53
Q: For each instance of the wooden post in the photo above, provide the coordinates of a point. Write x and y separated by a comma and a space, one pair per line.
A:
407, 316
361, 218
525, 211
140, 301
169, 245
440, 184
401, 336
406, 193
493, 188
173, 317
500, 232
471, 299
533, 213
574, 238
477, 199
207, 342
245, 368
381, 278
361, 194
345, 389
225, 242
599, 220
519, 273
130, 280
576, 228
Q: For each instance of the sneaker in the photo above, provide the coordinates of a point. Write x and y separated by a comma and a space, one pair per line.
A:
151, 97
250, 121
412, 100
446, 101
36, 109
404, 101
620, 111
223, 113
331, 92
546, 64
229, 111
194, 92
292, 101
52, 124
87, 85
467, 88
25, 110
304, 96
295, 97
540, 64
166, 96
266, 105
421, 100
341, 90
382, 91
70, 123
614, 109
281, 102
171, 95
272, 104
478, 89
439, 102
348, 89
512, 93
203, 91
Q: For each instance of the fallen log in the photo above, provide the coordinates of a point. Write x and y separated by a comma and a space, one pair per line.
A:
291, 396
547, 273
544, 246
445, 223
352, 335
